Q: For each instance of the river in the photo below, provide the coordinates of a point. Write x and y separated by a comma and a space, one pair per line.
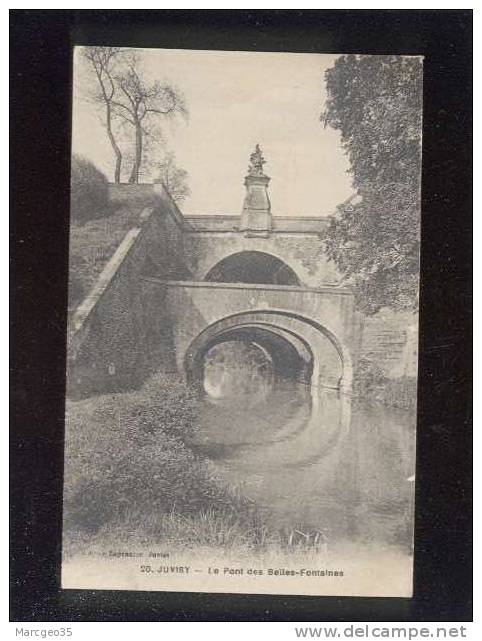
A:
313, 460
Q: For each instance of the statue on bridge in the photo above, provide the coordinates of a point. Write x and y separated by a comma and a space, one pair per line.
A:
256, 214
256, 162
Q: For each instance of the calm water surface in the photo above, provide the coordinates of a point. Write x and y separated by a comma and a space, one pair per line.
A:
315, 460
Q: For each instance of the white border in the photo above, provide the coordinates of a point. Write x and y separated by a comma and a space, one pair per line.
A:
239, 631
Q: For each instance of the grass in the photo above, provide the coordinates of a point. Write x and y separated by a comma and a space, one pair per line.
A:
93, 242
129, 472
213, 528
91, 246
132, 482
131, 478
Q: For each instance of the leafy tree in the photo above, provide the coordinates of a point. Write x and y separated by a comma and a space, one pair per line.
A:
375, 102
173, 178
89, 191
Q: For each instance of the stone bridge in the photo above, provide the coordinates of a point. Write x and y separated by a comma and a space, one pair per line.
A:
177, 286
316, 324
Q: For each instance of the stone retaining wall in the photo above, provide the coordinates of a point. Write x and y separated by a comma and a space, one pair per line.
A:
390, 341
121, 333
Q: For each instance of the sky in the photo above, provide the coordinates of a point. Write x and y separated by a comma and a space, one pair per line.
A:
235, 100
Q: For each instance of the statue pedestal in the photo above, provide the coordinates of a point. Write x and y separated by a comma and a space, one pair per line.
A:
256, 215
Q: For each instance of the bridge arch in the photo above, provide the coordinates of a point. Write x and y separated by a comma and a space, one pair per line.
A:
310, 350
255, 267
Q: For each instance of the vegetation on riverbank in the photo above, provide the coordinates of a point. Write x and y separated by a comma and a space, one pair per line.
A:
131, 475
371, 384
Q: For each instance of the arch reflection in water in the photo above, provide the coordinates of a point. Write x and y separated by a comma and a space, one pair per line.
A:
332, 465
245, 363
300, 348
239, 370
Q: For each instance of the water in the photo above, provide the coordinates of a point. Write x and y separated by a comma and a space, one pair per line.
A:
238, 369
315, 461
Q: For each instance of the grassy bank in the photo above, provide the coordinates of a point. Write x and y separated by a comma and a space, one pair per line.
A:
131, 475
94, 240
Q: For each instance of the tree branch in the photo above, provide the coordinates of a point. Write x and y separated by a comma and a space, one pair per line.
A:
115, 103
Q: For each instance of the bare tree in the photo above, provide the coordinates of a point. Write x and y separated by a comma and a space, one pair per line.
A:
103, 61
173, 178
140, 103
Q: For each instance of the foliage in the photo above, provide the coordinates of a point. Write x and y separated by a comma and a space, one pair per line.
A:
368, 376
370, 383
173, 178
128, 452
92, 244
375, 102
89, 191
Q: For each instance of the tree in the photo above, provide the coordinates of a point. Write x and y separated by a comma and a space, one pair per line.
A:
89, 191
173, 178
103, 62
141, 102
375, 102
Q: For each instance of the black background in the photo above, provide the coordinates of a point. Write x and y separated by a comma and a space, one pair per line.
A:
40, 101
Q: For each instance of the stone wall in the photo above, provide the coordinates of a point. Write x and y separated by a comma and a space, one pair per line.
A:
302, 252
311, 315
121, 331
390, 341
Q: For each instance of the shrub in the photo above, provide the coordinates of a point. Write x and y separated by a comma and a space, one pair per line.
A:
368, 377
369, 382
89, 191
125, 450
